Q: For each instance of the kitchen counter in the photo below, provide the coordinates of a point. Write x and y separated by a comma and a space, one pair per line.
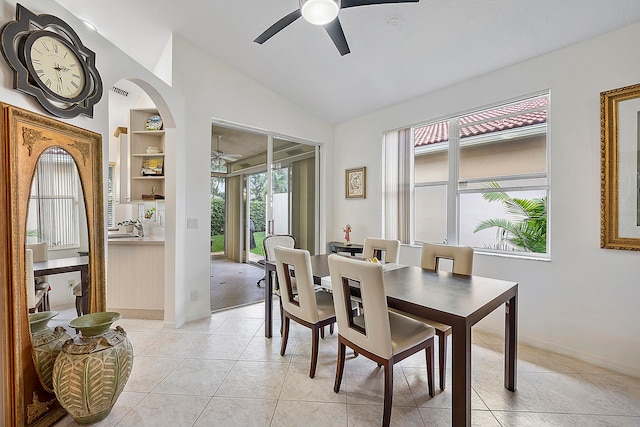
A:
146, 240
135, 276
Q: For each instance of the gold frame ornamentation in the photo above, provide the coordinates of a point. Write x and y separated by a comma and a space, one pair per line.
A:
619, 131
24, 137
355, 184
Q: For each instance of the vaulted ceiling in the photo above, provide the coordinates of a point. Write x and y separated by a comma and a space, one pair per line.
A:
398, 51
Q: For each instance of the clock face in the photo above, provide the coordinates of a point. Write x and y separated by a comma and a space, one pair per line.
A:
50, 63
55, 66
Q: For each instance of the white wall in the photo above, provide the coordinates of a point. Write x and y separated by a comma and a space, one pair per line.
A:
216, 91
213, 90
584, 302
113, 65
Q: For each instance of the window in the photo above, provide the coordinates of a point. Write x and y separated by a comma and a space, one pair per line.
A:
111, 196
53, 203
479, 178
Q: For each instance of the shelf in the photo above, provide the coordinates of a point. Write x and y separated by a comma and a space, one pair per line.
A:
149, 132
139, 160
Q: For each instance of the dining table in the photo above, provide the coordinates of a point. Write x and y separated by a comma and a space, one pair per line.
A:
453, 299
67, 265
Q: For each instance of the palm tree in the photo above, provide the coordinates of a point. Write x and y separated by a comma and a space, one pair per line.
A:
527, 230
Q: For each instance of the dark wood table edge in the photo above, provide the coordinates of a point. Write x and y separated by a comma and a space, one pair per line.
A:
80, 264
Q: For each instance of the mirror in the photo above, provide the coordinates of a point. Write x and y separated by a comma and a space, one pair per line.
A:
620, 168
56, 235
27, 137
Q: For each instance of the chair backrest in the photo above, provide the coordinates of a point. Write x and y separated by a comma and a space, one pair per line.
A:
304, 306
40, 252
270, 242
384, 249
462, 257
370, 331
29, 279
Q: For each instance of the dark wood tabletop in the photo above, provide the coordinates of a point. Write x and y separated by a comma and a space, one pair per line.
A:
352, 248
67, 265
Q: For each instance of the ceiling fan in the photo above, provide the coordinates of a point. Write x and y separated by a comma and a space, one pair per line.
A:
325, 13
219, 158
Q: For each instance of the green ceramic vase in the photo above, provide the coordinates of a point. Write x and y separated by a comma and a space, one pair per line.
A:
47, 344
93, 368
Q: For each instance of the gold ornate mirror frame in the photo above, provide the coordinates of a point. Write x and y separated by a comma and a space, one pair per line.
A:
620, 168
25, 135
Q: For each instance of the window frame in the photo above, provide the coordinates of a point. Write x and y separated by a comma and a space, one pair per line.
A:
71, 177
455, 185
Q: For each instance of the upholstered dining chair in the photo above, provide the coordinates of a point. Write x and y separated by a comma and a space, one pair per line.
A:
385, 250
269, 243
462, 257
34, 296
378, 334
306, 306
41, 253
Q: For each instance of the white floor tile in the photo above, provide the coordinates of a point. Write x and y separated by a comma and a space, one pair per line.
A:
223, 371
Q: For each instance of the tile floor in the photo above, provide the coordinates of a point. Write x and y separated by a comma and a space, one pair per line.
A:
222, 371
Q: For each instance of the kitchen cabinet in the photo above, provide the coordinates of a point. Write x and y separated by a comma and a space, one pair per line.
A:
135, 277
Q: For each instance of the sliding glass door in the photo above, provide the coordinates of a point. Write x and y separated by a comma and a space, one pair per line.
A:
293, 192
262, 185
218, 215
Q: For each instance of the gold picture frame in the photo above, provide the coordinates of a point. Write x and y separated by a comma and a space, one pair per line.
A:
620, 168
355, 185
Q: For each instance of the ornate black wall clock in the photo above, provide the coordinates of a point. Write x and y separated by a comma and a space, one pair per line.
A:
51, 63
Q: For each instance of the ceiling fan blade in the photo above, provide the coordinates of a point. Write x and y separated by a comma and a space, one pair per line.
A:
353, 3
278, 26
334, 29
229, 158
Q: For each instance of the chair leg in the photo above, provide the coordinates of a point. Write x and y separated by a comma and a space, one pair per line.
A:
430, 368
388, 393
331, 328
342, 349
45, 301
79, 305
322, 332
281, 314
442, 352
314, 349
285, 335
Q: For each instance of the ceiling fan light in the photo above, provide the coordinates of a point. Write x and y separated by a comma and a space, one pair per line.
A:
218, 161
319, 12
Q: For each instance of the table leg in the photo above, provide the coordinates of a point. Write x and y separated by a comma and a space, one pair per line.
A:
511, 343
268, 302
84, 280
461, 374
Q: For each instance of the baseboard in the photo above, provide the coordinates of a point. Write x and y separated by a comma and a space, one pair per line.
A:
571, 352
135, 313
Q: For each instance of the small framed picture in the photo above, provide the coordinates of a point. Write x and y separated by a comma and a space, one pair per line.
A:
356, 183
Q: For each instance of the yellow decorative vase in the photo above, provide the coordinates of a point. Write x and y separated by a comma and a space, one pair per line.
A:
47, 344
93, 367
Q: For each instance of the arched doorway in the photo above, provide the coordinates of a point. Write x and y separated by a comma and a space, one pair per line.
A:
141, 188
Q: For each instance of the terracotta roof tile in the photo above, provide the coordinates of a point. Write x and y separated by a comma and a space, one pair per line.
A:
480, 123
